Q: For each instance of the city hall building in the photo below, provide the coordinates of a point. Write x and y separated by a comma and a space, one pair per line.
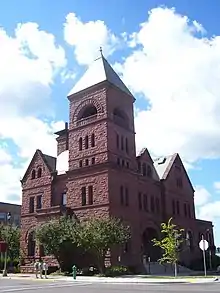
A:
97, 173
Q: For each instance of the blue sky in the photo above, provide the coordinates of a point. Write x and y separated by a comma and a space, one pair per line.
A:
171, 63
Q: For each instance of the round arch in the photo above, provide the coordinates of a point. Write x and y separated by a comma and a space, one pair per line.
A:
149, 249
87, 108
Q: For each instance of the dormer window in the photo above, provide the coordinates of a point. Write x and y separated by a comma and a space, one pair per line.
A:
33, 174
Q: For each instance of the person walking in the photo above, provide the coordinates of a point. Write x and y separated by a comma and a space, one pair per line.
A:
41, 268
36, 268
45, 269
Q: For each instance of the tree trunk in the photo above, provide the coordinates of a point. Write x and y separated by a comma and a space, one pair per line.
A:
101, 263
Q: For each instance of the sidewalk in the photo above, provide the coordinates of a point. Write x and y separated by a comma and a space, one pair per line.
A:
124, 279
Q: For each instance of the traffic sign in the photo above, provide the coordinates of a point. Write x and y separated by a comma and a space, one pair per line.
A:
203, 245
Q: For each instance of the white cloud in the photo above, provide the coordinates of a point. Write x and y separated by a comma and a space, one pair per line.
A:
201, 196
217, 186
210, 211
29, 62
178, 71
88, 37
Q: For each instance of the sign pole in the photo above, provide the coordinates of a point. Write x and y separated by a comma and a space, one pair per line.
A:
203, 253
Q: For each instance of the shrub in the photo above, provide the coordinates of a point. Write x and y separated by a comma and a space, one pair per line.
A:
115, 271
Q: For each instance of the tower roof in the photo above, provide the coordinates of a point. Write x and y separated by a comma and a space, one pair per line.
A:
100, 70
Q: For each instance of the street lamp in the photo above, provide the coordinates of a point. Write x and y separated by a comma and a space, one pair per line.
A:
8, 218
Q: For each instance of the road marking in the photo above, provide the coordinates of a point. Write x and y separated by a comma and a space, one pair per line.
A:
14, 289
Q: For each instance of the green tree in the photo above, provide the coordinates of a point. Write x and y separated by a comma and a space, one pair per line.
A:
99, 235
58, 238
170, 243
11, 235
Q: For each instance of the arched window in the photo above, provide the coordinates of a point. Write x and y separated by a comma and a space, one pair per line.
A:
33, 174
39, 172
86, 142
88, 111
92, 140
189, 238
31, 244
80, 144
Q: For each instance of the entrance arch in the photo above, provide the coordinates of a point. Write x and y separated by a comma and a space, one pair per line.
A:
148, 246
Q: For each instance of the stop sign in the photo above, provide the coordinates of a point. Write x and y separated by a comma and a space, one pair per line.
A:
3, 246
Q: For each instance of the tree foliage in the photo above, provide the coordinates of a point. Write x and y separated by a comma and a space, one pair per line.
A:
11, 235
99, 235
57, 235
170, 243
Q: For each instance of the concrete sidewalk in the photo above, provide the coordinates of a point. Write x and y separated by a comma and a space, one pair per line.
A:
116, 280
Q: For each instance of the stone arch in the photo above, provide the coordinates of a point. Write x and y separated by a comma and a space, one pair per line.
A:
120, 117
86, 109
149, 249
33, 174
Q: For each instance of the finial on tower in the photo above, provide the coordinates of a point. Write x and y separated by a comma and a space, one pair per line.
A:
100, 49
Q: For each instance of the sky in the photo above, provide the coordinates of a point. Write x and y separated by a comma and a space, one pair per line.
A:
167, 53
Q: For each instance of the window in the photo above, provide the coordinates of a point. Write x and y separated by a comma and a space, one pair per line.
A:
88, 111
178, 207
2, 217
139, 167
93, 161
86, 142
92, 140
86, 162
126, 197
63, 199
39, 202
118, 161
157, 205
144, 169
80, 144
122, 195
90, 195
140, 200
80, 163
83, 194
122, 143
122, 163
117, 141
189, 211
152, 204
33, 174
126, 145
31, 205
127, 164
149, 171
173, 207
39, 172
185, 210
145, 203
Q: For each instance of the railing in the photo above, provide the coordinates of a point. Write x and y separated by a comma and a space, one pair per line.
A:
86, 120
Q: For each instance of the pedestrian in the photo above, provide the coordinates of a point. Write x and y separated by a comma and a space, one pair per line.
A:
36, 268
45, 269
41, 268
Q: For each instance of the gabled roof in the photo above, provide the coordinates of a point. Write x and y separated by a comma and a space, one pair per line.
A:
163, 166
49, 161
145, 152
100, 70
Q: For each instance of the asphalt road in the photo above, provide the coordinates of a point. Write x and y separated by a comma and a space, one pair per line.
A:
47, 286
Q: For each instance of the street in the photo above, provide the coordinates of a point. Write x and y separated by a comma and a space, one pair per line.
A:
10, 285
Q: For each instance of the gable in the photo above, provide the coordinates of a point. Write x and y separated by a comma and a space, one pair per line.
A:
43, 161
144, 157
171, 166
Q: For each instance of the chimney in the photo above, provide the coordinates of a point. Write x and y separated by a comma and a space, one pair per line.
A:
62, 139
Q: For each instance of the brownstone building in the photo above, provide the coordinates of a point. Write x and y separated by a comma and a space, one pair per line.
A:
97, 173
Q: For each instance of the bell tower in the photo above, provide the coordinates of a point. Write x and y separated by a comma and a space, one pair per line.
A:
101, 133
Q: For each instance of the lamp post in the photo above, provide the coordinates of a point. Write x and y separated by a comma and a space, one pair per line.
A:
8, 218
